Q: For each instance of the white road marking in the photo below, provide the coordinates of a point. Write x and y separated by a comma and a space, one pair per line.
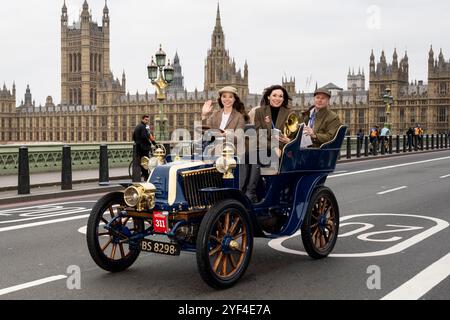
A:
31, 284
83, 230
447, 176
423, 282
5, 214
277, 244
387, 167
43, 211
392, 190
41, 223
342, 171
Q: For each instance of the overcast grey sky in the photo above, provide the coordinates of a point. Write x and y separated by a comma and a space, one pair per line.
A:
318, 38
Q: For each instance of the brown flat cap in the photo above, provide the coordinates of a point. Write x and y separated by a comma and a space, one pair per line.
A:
228, 89
323, 91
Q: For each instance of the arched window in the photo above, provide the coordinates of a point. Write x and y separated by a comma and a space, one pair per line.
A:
75, 68
79, 96
79, 62
95, 62
90, 62
70, 63
99, 63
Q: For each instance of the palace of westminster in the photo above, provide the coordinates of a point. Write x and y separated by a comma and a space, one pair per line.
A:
96, 108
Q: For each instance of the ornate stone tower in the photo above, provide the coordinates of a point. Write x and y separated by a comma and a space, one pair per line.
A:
7, 100
394, 76
85, 58
356, 82
177, 84
220, 70
438, 93
289, 85
8, 122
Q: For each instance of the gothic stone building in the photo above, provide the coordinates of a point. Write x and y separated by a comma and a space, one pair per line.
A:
94, 106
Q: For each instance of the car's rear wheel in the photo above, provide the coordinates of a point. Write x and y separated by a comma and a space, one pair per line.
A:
111, 249
321, 224
224, 244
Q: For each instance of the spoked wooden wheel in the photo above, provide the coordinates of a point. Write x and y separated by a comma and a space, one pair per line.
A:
224, 244
111, 249
321, 224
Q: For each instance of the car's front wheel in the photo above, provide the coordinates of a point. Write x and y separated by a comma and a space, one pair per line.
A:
224, 244
111, 249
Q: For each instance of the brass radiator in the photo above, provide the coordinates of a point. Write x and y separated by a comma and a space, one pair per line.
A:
195, 180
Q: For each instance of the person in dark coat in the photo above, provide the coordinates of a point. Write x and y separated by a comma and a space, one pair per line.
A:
410, 134
144, 141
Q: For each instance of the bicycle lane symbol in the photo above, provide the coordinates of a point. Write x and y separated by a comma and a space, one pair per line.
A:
362, 235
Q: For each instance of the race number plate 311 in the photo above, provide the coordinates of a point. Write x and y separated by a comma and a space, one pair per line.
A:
160, 221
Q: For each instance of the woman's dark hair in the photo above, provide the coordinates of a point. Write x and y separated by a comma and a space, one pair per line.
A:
268, 91
238, 105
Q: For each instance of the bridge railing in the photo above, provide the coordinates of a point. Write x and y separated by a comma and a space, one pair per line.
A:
47, 158
392, 144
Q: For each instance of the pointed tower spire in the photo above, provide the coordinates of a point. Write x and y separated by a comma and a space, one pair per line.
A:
85, 15
218, 23
430, 60
395, 60
218, 37
383, 57
372, 63
64, 17
441, 55
431, 54
246, 70
105, 9
106, 15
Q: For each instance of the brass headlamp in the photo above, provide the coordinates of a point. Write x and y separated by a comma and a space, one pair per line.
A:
159, 158
141, 196
226, 163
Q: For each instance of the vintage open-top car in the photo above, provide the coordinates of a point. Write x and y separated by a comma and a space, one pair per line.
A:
196, 205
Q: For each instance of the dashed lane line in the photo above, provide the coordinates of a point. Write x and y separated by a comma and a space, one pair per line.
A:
423, 282
392, 190
387, 167
446, 176
31, 284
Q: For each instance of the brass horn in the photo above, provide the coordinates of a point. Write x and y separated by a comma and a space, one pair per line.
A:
291, 125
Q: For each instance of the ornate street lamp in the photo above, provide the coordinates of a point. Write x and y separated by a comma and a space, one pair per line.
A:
388, 101
161, 75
